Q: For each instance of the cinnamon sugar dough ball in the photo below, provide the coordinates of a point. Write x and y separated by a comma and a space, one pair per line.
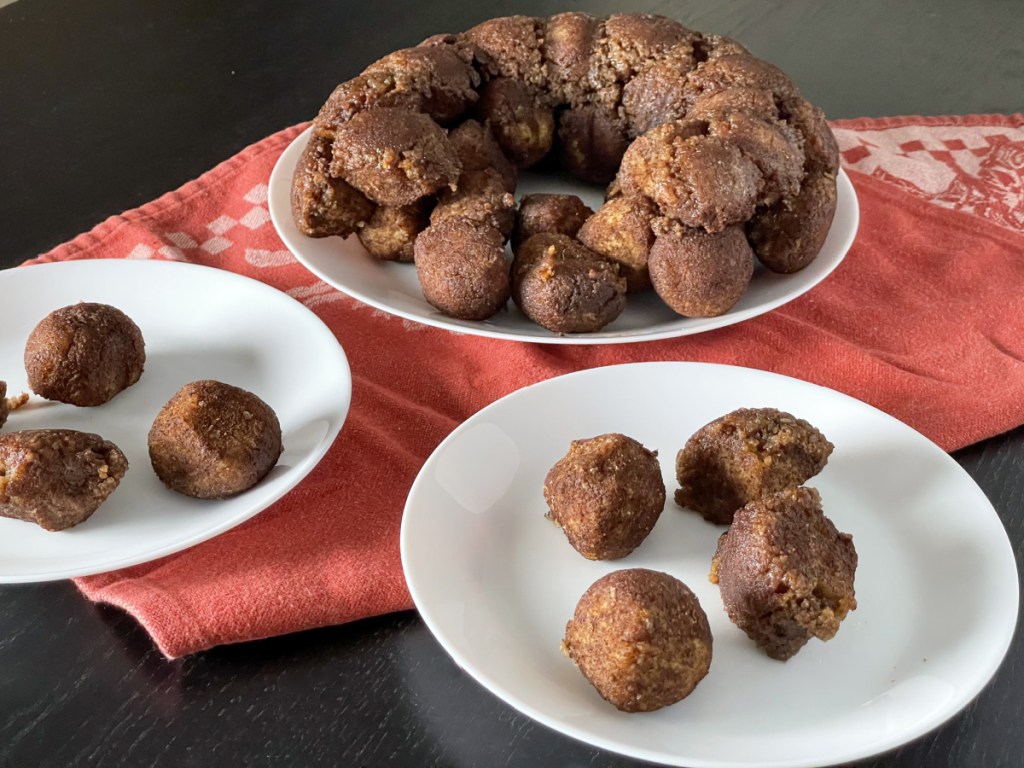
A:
324, 205
391, 231
565, 287
481, 196
213, 440
620, 231
625, 44
434, 80
478, 150
514, 46
641, 638
591, 142
657, 95
524, 129
785, 573
605, 494
84, 354
743, 456
789, 235
568, 43
775, 147
547, 212
462, 268
56, 478
700, 274
695, 178
394, 156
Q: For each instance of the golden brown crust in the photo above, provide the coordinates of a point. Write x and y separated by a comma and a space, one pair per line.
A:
462, 268
565, 287
620, 231
481, 196
56, 478
744, 455
785, 573
699, 274
788, 235
693, 177
477, 150
394, 156
523, 127
641, 638
324, 205
514, 45
84, 354
391, 231
591, 142
547, 212
605, 494
213, 440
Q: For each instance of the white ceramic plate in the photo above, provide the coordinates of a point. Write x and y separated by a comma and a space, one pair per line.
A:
496, 582
198, 323
394, 287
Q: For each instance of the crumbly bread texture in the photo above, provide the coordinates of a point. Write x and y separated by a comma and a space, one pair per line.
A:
57, 478
785, 573
744, 455
698, 135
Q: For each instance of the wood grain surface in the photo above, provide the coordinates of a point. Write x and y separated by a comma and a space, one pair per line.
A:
107, 104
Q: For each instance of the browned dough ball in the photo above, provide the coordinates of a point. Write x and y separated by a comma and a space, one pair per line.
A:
394, 156
481, 196
524, 128
478, 150
694, 178
621, 232
84, 354
605, 494
789, 235
462, 268
213, 440
657, 95
56, 478
391, 231
435, 80
564, 286
739, 71
514, 47
785, 573
641, 638
547, 212
8, 404
820, 148
323, 205
743, 456
772, 145
568, 43
592, 141
699, 274
627, 43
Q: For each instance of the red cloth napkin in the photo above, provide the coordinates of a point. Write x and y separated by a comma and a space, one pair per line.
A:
924, 319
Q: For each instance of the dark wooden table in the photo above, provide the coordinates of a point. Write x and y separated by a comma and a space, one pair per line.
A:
105, 105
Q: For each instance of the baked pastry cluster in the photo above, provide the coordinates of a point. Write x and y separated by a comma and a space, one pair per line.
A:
713, 157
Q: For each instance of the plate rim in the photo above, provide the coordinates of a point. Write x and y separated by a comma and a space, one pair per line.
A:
979, 680
301, 470
279, 205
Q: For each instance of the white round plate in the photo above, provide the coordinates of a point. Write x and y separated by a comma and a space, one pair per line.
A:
496, 582
394, 287
198, 323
